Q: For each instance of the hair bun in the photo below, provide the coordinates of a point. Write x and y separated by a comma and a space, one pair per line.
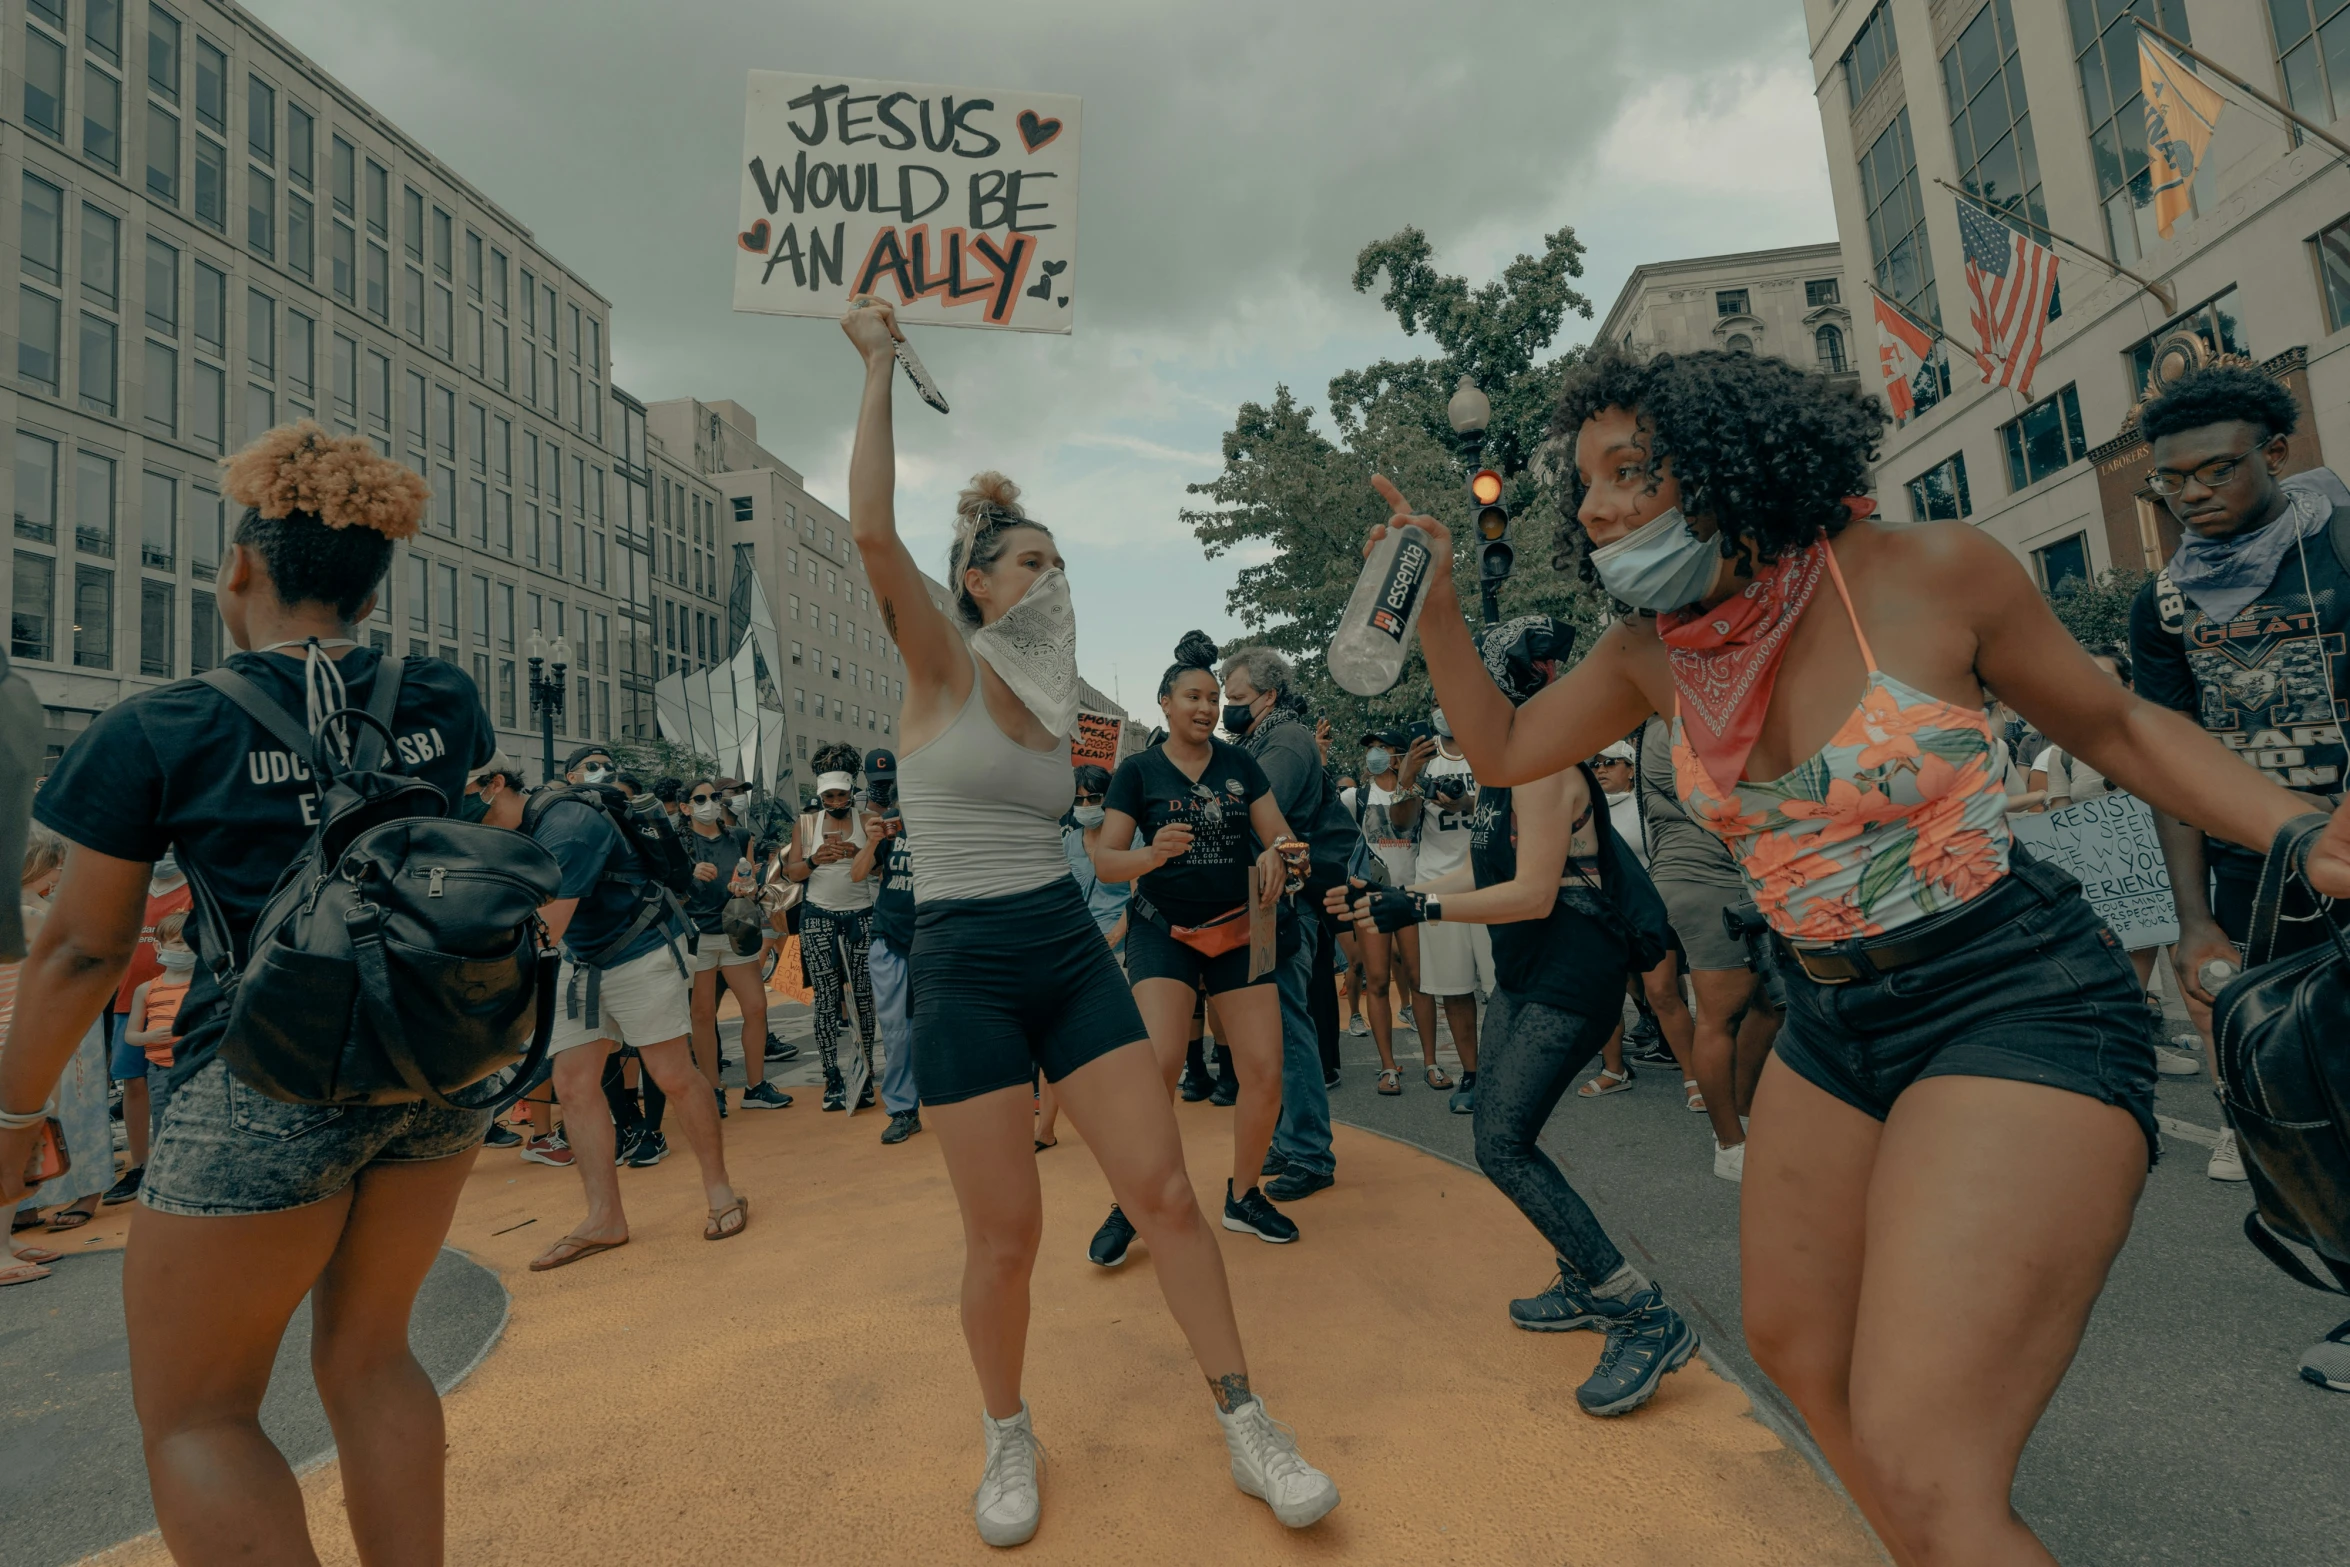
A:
1195, 651
340, 480
987, 492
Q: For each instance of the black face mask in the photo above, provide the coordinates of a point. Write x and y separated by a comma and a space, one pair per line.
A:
1238, 718
473, 808
838, 814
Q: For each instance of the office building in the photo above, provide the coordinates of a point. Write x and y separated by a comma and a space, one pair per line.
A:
2035, 110
1788, 302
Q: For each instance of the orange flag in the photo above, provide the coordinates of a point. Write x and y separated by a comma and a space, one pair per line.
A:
2180, 114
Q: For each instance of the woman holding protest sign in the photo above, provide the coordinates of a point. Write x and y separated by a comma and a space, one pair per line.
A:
1009, 977
1963, 1034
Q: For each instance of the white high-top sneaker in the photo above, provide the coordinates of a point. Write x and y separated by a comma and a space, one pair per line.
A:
1008, 1503
1265, 1464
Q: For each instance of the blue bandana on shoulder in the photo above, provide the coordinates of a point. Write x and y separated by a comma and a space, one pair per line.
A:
2224, 577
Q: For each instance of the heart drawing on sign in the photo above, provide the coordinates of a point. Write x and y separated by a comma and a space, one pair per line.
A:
1037, 132
754, 238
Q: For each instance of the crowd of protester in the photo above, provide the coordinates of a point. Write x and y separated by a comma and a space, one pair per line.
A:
977, 931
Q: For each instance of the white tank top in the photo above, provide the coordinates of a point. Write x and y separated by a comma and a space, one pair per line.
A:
985, 809
829, 886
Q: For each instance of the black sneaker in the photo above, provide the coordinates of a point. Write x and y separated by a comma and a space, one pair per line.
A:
1646, 1340
777, 1050
1464, 1097
1329, 1080
766, 1096
651, 1149
1274, 1164
1562, 1308
1224, 1093
1293, 1183
902, 1126
866, 1100
1111, 1240
721, 1093
836, 1092
624, 1144
500, 1135
1193, 1087
124, 1190
1250, 1214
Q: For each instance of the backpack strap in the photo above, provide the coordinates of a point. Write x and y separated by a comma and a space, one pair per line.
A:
2288, 857
2276, 1251
369, 751
263, 708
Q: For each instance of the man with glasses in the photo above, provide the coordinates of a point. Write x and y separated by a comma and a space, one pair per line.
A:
2245, 630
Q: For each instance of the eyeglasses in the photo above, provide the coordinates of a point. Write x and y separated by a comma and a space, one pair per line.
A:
2213, 474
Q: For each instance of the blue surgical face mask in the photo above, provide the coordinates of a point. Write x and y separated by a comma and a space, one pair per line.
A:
1661, 565
1377, 760
1089, 815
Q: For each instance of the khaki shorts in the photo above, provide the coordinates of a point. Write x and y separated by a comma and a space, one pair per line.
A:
644, 1001
717, 952
1455, 960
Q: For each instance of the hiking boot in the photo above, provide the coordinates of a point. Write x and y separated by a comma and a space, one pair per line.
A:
1250, 1214
765, 1096
1266, 1465
1294, 1182
1111, 1241
1464, 1098
1646, 1340
2328, 1365
902, 1126
1008, 1502
1562, 1308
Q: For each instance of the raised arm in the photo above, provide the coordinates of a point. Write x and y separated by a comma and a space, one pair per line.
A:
926, 639
1591, 705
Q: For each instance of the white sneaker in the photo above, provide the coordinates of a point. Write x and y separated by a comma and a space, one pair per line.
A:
2227, 1161
1265, 1465
1357, 1027
2177, 1063
1008, 1503
1730, 1163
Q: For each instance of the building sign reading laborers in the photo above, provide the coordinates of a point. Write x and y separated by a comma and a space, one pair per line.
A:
956, 206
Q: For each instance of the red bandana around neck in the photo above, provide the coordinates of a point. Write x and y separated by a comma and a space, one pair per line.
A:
1725, 660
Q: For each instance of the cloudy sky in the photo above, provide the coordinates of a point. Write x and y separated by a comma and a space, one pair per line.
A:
1236, 156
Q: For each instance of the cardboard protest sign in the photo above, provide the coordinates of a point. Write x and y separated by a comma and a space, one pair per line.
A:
1096, 741
957, 206
2108, 845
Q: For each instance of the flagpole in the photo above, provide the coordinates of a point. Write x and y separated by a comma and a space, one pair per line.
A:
2162, 294
1954, 341
2226, 75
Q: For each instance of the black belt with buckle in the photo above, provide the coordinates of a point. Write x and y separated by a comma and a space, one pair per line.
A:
1841, 963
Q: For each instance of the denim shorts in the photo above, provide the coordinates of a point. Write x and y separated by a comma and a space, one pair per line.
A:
225, 1149
2046, 995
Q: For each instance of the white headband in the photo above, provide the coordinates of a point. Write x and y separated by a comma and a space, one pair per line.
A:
827, 782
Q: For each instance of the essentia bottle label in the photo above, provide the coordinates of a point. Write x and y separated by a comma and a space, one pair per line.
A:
1391, 612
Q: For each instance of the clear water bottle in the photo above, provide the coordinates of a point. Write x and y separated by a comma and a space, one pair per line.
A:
1375, 633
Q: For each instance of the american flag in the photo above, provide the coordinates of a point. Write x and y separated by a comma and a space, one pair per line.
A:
2012, 277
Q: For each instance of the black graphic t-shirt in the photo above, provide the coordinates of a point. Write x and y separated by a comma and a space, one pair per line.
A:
182, 767
2256, 683
893, 904
705, 903
1210, 877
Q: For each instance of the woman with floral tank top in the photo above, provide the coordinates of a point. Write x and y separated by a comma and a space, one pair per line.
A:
1964, 1036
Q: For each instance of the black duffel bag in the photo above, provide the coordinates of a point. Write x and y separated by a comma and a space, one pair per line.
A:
400, 956
2281, 1033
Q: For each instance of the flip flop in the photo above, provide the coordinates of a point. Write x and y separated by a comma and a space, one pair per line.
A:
571, 1249
1041, 1145
29, 1219
22, 1273
68, 1219
39, 1256
739, 1210
1607, 1082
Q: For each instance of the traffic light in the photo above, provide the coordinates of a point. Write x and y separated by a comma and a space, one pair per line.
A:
1491, 520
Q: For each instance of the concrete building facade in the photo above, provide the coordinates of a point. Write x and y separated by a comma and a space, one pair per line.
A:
2035, 110
1789, 302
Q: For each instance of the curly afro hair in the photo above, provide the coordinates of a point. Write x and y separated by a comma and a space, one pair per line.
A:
838, 757
322, 512
1769, 451
2219, 394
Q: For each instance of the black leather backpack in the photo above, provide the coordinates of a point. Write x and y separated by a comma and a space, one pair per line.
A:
400, 956
2281, 1031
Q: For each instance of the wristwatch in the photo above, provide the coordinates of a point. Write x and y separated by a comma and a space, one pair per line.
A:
1431, 910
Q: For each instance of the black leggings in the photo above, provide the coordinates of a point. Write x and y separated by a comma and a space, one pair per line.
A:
823, 933
1527, 1054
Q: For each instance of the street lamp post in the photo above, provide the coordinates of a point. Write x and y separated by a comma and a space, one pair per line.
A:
546, 696
1470, 412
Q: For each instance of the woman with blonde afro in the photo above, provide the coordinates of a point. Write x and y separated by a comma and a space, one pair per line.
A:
251, 1204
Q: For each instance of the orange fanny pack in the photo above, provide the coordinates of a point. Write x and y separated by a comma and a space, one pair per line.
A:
1225, 933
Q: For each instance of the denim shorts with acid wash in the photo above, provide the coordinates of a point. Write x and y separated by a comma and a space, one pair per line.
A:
225, 1149
2046, 995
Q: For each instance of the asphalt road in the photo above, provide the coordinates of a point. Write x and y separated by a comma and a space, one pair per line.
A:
2182, 1433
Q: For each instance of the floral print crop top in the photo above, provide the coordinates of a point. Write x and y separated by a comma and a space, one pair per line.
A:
1901, 816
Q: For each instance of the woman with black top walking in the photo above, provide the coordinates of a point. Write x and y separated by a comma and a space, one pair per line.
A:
1550, 880
1207, 815
1964, 1036
723, 871
250, 1203
1009, 976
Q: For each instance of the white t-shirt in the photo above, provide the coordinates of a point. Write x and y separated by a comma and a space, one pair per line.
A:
829, 886
1396, 846
1624, 811
1444, 833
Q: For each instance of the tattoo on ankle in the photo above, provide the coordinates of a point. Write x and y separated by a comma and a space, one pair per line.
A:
1231, 1391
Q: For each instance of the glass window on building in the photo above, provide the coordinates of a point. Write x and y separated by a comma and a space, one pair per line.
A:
2313, 55
300, 348
204, 633
163, 288
93, 618
163, 53
2105, 50
260, 333
39, 322
101, 116
211, 308
95, 372
207, 533
208, 406
260, 213
163, 154
211, 84
102, 29
44, 83
2332, 247
32, 608
419, 593
2062, 563
101, 264
2044, 440
1872, 54
159, 518
155, 626
2216, 321
1990, 119
211, 183
301, 240
1896, 217
1940, 493
1828, 346
379, 200
42, 253
260, 120
301, 139
160, 396
36, 488
1821, 291
93, 504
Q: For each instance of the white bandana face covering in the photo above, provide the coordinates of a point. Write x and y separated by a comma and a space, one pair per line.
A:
1034, 648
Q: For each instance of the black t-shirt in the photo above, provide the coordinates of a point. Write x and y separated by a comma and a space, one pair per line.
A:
1211, 877
893, 903
705, 902
1575, 957
2257, 683
181, 767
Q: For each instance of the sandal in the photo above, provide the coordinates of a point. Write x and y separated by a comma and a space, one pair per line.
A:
1608, 1082
25, 1219
1390, 1081
39, 1256
1436, 1078
69, 1219
1042, 1145
571, 1249
718, 1229
22, 1273
1694, 1100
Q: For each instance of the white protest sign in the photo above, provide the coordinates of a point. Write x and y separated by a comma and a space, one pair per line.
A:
957, 206
2108, 845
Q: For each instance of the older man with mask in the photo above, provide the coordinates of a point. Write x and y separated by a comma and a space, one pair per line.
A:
1264, 713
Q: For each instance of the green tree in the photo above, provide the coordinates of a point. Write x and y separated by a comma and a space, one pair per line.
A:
2098, 614
1299, 504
